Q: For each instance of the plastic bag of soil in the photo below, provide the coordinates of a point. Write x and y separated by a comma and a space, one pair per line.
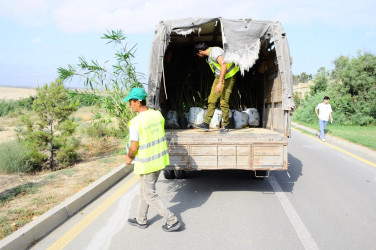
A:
196, 116
183, 121
231, 120
254, 117
241, 119
172, 120
216, 119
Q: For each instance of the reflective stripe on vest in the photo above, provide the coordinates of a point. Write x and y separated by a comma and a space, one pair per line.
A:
151, 158
150, 144
152, 153
232, 69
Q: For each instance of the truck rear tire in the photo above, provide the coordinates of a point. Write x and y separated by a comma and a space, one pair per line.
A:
169, 174
180, 174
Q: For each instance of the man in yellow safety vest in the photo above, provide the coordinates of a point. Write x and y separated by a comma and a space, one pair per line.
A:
148, 150
225, 74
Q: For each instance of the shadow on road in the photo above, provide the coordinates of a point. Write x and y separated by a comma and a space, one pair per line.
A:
194, 191
295, 171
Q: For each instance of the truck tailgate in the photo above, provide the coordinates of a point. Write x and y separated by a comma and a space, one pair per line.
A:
250, 149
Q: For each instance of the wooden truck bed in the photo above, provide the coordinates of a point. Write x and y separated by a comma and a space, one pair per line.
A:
249, 149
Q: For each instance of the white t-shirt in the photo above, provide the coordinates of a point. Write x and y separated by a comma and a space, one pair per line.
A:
216, 52
134, 134
324, 111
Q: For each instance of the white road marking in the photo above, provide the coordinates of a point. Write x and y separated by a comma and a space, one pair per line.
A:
304, 236
102, 239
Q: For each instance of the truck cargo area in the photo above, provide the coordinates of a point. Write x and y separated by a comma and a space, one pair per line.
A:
179, 80
187, 79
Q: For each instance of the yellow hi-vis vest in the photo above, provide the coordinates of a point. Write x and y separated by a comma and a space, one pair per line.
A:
232, 69
152, 154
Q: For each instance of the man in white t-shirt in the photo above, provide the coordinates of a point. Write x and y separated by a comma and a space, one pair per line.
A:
323, 111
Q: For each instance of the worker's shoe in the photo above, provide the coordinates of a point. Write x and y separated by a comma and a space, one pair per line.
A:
323, 139
224, 130
135, 223
174, 227
203, 126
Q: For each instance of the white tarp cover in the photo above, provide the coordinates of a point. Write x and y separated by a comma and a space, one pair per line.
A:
241, 44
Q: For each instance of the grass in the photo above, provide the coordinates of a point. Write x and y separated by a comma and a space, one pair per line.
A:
14, 157
107, 160
15, 219
363, 135
68, 172
30, 188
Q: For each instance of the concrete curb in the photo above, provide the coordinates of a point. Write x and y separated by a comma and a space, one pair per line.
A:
337, 140
33, 231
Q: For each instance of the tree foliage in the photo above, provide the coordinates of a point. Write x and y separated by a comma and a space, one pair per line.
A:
321, 80
303, 77
353, 92
110, 83
49, 137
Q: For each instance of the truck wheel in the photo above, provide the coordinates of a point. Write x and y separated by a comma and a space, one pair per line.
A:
169, 174
179, 174
260, 174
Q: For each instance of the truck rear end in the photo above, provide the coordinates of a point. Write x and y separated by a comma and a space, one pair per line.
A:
178, 80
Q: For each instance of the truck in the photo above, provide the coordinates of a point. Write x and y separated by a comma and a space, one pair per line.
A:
178, 80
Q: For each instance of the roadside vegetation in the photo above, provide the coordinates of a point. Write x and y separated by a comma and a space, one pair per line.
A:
363, 135
351, 87
59, 141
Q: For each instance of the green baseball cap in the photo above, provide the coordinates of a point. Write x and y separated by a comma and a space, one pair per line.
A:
136, 93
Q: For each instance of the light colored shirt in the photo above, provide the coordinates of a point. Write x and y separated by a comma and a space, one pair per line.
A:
134, 134
324, 111
216, 52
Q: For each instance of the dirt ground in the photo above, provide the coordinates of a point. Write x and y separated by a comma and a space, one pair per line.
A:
9, 93
24, 197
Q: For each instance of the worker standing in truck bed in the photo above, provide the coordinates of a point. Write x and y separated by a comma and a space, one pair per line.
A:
225, 74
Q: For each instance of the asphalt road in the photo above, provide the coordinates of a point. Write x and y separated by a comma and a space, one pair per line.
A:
328, 201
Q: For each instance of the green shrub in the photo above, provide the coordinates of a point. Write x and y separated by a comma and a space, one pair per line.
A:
2, 128
297, 99
14, 157
98, 129
67, 153
19, 129
12, 106
306, 111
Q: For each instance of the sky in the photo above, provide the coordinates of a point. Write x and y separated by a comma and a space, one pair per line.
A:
38, 36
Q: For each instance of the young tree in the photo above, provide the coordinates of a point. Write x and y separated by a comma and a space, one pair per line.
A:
321, 81
111, 84
50, 136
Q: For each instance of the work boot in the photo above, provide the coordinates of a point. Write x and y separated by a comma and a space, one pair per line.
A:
203, 126
224, 130
135, 223
173, 227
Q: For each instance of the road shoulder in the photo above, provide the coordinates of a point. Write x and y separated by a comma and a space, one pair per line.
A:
359, 150
35, 230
